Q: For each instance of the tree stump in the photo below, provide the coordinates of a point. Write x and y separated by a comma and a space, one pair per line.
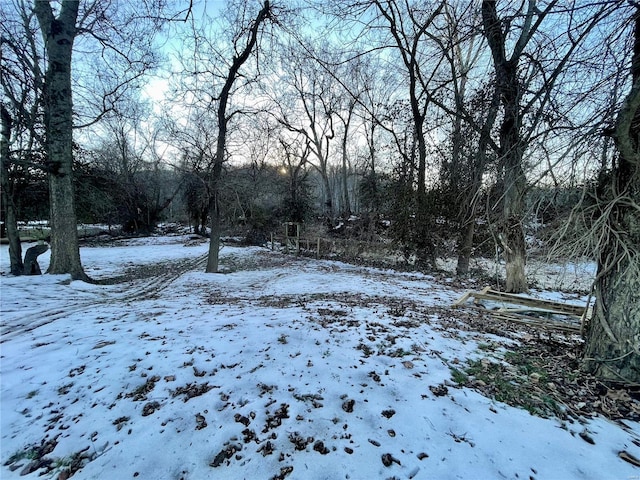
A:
31, 266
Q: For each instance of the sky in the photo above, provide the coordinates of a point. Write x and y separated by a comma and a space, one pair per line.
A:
282, 367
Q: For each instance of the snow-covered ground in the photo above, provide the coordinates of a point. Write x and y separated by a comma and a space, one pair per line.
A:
281, 368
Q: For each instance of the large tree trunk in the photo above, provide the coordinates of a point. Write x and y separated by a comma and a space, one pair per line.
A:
10, 218
465, 242
512, 234
510, 150
613, 334
613, 337
59, 34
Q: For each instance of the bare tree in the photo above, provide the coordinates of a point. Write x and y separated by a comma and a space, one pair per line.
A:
295, 155
306, 104
21, 107
122, 36
411, 33
473, 113
8, 205
59, 33
526, 97
223, 120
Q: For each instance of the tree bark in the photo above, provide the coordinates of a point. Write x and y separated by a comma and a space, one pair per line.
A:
59, 34
10, 217
612, 350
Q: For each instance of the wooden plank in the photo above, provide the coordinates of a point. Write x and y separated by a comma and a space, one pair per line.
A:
519, 315
528, 301
536, 322
463, 299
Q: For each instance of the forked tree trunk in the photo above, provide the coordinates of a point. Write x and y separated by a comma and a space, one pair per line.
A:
510, 149
10, 218
612, 349
59, 34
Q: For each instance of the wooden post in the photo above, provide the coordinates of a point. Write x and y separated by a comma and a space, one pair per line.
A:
318, 249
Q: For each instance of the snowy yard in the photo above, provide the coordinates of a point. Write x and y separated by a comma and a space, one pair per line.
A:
280, 368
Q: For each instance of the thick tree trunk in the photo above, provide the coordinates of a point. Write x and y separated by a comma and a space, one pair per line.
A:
59, 34
465, 244
8, 205
514, 180
512, 234
612, 349
613, 335
510, 150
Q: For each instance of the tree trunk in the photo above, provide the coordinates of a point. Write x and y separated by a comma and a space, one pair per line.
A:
613, 335
214, 238
59, 34
345, 159
216, 173
512, 234
214, 188
346, 209
612, 349
328, 201
10, 218
509, 151
465, 244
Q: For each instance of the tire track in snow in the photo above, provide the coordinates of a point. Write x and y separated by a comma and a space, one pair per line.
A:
138, 291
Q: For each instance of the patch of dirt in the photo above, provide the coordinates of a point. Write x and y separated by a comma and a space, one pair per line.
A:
140, 393
192, 390
541, 374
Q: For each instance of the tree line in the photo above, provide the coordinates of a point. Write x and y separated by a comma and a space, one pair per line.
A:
415, 111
